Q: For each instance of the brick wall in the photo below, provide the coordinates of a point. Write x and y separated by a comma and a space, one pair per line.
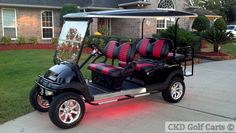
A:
126, 27
29, 23
132, 27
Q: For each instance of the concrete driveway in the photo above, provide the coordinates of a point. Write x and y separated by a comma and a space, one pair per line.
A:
210, 96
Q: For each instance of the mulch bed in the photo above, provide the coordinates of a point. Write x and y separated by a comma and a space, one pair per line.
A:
214, 55
26, 47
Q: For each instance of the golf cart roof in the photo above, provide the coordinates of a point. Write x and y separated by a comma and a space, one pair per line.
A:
130, 13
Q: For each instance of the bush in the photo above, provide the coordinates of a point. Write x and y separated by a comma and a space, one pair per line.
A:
68, 8
220, 24
103, 30
94, 39
101, 41
201, 23
54, 41
33, 40
20, 40
6, 40
183, 38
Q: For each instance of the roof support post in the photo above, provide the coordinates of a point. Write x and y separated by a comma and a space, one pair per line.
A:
175, 36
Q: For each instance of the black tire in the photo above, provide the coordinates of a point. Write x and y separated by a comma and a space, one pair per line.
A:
167, 94
33, 97
59, 102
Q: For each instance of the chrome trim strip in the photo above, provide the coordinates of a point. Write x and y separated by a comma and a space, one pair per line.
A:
120, 93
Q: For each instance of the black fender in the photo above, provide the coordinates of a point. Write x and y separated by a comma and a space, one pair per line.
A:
176, 72
76, 87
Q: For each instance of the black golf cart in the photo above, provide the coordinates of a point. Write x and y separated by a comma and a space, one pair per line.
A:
147, 67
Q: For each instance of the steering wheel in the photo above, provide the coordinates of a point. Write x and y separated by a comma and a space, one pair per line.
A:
97, 52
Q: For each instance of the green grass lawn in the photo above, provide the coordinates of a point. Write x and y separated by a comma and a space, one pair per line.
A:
229, 48
18, 71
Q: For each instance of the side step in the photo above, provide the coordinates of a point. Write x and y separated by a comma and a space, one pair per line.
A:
126, 97
119, 93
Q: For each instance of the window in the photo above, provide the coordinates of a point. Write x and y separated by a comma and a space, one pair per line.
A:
166, 4
164, 23
9, 23
47, 24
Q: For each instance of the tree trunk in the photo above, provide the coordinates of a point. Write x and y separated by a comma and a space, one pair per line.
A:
216, 47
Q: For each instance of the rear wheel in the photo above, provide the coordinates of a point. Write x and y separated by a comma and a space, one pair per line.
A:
37, 101
67, 110
175, 90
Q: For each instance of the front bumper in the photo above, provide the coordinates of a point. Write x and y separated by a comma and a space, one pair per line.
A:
48, 87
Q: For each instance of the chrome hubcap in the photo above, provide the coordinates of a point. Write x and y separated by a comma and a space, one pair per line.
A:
42, 102
176, 90
69, 111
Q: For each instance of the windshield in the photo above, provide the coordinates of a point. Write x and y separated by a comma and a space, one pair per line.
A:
230, 27
69, 42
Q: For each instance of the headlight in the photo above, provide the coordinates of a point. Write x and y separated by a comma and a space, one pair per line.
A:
52, 77
48, 93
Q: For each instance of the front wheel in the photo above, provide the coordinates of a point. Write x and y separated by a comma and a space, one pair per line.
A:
67, 110
175, 90
37, 101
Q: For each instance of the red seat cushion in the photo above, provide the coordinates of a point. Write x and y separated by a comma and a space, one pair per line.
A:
106, 69
144, 66
122, 64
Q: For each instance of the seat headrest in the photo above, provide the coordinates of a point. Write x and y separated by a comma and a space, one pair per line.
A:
110, 49
144, 46
160, 49
126, 52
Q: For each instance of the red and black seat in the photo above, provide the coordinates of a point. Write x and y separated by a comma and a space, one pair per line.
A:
123, 53
142, 48
153, 57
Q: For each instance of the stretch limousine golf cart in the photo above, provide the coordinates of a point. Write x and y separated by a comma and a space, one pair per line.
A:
63, 90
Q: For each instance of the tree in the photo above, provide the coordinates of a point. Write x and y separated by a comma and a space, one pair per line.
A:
68, 8
201, 23
220, 24
225, 8
183, 38
218, 37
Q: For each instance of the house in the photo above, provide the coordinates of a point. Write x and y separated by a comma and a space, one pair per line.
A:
41, 18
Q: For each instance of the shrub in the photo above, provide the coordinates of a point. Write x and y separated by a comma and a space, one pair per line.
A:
201, 23
20, 40
103, 30
68, 8
101, 41
183, 38
6, 40
218, 37
33, 40
54, 41
98, 40
220, 24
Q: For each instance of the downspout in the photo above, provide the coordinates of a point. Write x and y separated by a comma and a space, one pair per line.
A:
142, 27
